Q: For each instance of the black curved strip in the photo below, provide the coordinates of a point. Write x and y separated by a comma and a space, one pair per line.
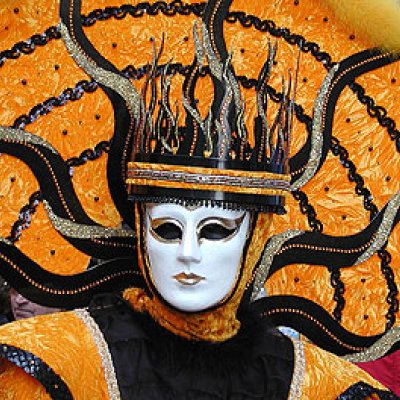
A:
339, 289
66, 291
214, 15
44, 163
25, 216
362, 390
334, 252
197, 9
38, 369
313, 321
123, 120
213, 18
56, 187
338, 150
29, 46
378, 112
391, 298
41, 109
349, 69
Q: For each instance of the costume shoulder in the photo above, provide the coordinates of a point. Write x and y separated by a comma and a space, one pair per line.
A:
327, 376
53, 356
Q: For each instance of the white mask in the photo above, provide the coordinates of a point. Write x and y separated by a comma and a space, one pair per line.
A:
194, 254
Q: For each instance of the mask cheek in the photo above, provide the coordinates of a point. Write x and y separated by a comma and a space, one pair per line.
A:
161, 260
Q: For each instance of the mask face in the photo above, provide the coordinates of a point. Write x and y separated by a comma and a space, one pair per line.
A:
194, 253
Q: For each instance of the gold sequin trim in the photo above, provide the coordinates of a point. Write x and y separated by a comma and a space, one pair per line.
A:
110, 79
200, 178
317, 137
24, 137
213, 62
378, 349
273, 247
80, 231
384, 229
299, 370
102, 347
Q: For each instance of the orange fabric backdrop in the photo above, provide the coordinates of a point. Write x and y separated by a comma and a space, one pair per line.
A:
82, 124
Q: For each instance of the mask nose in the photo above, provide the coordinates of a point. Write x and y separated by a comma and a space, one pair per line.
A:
189, 249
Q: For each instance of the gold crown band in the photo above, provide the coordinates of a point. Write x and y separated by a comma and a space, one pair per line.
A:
200, 178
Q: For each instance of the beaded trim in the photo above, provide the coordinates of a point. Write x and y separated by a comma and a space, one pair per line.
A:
236, 181
299, 371
378, 349
104, 352
80, 231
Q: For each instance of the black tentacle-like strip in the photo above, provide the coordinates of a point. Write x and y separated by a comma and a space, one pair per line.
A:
66, 291
349, 69
334, 252
197, 9
123, 115
313, 321
56, 188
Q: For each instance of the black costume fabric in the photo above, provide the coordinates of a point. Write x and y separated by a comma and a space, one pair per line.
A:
152, 363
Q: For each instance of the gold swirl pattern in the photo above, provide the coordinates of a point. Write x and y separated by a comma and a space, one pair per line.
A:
80, 231
19, 135
299, 371
317, 137
378, 349
384, 230
110, 79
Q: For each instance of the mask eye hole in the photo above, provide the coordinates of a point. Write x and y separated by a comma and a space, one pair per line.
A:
167, 231
214, 231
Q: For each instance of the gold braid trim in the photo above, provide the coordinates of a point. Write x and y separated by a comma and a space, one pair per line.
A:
200, 178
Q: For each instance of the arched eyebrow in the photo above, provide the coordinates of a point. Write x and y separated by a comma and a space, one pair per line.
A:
228, 223
156, 222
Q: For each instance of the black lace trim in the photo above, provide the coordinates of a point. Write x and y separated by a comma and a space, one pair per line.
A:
362, 390
39, 370
25, 217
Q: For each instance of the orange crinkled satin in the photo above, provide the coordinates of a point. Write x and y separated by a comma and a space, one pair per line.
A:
82, 124
16, 384
61, 340
321, 367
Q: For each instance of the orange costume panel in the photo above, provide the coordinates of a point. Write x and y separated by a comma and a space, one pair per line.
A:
65, 344
71, 344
